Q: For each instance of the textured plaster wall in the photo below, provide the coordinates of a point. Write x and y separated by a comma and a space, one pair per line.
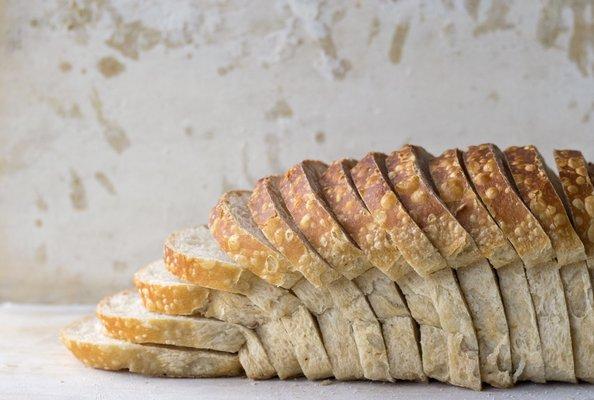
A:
123, 120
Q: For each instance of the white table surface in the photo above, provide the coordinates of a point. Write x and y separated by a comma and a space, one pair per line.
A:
35, 365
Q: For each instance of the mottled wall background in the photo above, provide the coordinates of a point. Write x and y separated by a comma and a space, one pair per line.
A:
123, 120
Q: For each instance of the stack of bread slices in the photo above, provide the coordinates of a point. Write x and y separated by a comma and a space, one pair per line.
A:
471, 268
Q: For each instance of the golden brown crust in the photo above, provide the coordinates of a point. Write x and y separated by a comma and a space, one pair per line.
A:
530, 175
209, 273
486, 170
244, 247
456, 192
407, 172
270, 214
300, 191
388, 212
342, 197
577, 185
173, 300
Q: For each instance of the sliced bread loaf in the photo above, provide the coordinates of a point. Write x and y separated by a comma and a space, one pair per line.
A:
87, 340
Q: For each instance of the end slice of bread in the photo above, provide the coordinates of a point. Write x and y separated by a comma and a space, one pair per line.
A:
87, 340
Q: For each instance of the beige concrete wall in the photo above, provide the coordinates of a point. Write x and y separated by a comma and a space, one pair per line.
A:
123, 120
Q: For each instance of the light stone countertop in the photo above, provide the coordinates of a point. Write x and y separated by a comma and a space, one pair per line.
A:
35, 365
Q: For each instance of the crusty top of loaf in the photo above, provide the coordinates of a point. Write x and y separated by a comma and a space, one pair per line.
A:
457, 193
577, 185
304, 199
407, 171
372, 182
350, 210
529, 172
487, 171
271, 215
232, 226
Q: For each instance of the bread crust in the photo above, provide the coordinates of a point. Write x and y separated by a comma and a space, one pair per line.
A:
536, 189
209, 273
102, 352
408, 171
230, 223
272, 217
342, 197
168, 298
302, 195
454, 188
370, 178
577, 185
485, 167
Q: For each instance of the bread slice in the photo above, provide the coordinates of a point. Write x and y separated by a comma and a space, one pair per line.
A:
478, 282
579, 191
387, 303
162, 292
192, 255
87, 340
124, 317
538, 193
372, 185
490, 181
576, 278
372, 182
301, 191
232, 226
272, 217
270, 214
231, 222
408, 172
